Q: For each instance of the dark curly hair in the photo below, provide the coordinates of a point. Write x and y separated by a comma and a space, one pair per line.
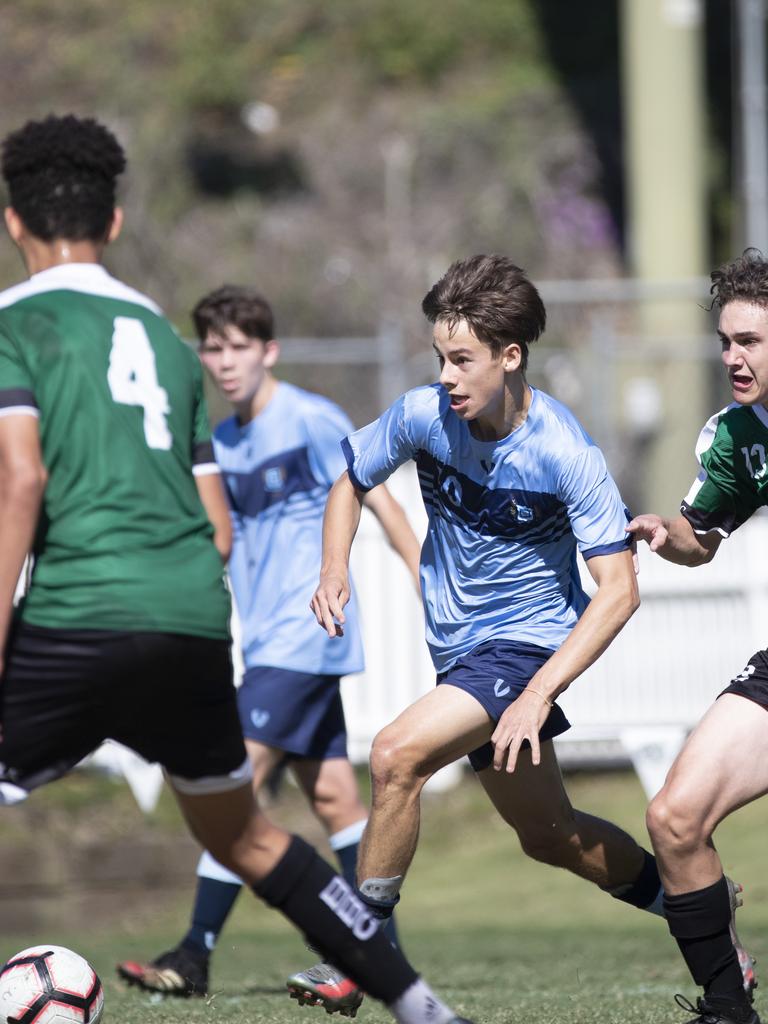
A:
233, 305
494, 297
61, 175
745, 278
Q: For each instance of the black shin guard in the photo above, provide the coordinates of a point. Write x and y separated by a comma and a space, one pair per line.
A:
319, 902
700, 922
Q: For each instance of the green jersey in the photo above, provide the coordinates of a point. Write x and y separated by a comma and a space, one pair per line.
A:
123, 542
733, 481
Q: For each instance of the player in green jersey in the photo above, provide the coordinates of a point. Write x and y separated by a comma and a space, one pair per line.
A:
124, 630
724, 763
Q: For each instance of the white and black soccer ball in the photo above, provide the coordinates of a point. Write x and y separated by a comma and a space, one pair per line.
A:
49, 985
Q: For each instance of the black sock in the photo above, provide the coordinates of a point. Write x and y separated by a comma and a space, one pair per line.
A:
347, 858
700, 922
213, 902
335, 921
643, 891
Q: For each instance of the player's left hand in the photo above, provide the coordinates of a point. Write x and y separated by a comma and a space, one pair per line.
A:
521, 721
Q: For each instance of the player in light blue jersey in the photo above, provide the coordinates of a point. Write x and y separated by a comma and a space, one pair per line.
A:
514, 488
279, 456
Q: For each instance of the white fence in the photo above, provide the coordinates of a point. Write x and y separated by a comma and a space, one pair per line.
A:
695, 630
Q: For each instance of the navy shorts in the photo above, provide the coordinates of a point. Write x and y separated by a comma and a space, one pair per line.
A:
752, 683
298, 712
495, 673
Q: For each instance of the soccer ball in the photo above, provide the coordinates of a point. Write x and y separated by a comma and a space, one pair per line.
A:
49, 985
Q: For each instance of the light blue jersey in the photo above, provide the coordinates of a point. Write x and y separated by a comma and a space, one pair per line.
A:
505, 518
278, 470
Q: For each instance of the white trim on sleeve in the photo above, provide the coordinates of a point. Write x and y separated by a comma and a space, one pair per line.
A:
20, 410
206, 469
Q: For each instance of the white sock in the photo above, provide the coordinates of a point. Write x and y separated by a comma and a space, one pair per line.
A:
347, 836
207, 867
419, 1005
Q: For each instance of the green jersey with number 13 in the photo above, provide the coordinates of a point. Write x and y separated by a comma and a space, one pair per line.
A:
733, 482
123, 542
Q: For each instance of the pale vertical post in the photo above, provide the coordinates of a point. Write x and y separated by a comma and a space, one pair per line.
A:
665, 178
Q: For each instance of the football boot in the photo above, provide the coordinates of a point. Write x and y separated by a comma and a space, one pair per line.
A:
179, 972
746, 960
711, 1010
324, 985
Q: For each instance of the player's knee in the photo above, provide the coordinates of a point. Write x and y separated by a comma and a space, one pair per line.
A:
673, 823
393, 761
334, 805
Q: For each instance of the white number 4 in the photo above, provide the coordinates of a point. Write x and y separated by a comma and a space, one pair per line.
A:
132, 379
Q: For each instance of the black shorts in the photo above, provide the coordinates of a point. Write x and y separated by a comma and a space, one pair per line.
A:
752, 683
168, 697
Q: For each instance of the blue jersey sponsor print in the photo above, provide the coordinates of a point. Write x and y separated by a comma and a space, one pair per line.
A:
505, 518
278, 470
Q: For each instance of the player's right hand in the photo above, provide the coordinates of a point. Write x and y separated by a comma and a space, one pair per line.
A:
328, 602
650, 528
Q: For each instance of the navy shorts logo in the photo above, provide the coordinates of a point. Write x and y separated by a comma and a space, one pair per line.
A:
500, 688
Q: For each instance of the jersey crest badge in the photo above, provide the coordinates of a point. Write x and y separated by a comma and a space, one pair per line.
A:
520, 513
274, 478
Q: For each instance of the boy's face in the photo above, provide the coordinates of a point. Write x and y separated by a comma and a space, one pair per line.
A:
743, 330
238, 364
469, 371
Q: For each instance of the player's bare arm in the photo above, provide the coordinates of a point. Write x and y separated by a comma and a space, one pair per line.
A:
398, 530
211, 491
22, 483
615, 602
342, 517
675, 539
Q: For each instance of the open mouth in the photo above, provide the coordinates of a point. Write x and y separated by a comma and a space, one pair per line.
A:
458, 401
741, 383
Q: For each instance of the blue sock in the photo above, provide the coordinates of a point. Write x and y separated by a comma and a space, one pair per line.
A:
214, 900
347, 858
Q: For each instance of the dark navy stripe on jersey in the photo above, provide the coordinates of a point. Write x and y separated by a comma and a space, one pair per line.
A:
10, 397
271, 482
496, 512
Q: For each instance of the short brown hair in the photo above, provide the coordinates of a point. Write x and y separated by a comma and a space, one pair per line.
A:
745, 278
234, 306
494, 297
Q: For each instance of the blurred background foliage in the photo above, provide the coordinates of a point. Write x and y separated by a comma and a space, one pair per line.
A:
340, 154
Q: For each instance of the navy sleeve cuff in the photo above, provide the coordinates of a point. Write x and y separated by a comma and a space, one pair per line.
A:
607, 549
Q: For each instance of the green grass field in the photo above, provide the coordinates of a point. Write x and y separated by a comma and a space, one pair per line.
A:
501, 938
